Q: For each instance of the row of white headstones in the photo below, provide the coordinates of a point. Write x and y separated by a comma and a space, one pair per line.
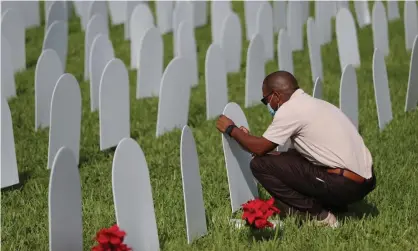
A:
65, 108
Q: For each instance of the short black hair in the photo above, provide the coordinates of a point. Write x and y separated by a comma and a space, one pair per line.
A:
281, 81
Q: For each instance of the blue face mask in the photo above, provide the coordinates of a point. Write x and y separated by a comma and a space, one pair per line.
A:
271, 110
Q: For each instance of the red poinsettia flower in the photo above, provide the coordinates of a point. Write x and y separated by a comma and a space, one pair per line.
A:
257, 212
110, 239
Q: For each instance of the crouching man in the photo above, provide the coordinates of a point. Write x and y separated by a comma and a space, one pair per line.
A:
330, 166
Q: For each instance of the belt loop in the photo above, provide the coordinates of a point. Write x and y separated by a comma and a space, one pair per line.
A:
341, 172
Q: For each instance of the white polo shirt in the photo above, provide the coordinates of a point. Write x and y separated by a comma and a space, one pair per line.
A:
322, 133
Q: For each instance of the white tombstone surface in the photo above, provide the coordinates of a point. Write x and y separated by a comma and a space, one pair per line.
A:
114, 114
279, 15
9, 172
173, 103
295, 25
132, 196
314, 50
348, 50
231, 42
98, 7
381, 89
117, 11
380, 28
150, 64
130, 7
220, 10
13, 29
412, 91
47, 72
96, 25
65, 118
349, 94
251, 9
255, 71
100, 54
141, 20
317, 90
31, 13
216, 82
57, 39
192, 188
57, 11
186, 47
265, 28
284, 52
393, 10
183, 11
323, 14
8, 87
64, 203
200, 15
410, 23
164, 16
241, 182
362, 13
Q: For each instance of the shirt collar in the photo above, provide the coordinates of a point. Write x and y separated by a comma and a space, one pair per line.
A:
298, 92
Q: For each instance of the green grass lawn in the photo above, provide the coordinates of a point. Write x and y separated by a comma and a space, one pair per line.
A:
390, 218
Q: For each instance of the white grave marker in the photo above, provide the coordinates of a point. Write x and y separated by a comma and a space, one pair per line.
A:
284, 52
57, 39
130, 7
141, 20
57, 11
117, 11
187, 49
150, 68
31, 13
251, 9
393, 10
65, 118
314, 50
323, 14
410, 23
183, 11
8, 86
295, 25
48, 71
216, 82
348, 50
342, 4
192, 188
381, 89
317, 90
98, 7
100, 54
200, 16
114, 114
13, 29
242, 185
64, 203
132, 196
412, 91
84, 7
255, 71
173, 104
380, 28
220, 10
9, 172
164, 13
279, 15
231, 42
349, 94
264, 27
362, 13
96, 25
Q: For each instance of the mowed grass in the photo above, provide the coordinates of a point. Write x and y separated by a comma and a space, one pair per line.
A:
386, 220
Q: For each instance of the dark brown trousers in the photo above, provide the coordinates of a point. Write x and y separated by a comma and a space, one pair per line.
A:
298, 185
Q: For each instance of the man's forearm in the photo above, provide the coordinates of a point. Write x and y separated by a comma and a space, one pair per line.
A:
250, 143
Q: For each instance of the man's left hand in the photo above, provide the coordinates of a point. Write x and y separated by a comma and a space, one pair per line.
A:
223, 123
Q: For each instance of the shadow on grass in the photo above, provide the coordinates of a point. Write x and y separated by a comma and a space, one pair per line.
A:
359, 210
23, 177
265, 234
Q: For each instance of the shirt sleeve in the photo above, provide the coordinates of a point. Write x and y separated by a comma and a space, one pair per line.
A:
285, 124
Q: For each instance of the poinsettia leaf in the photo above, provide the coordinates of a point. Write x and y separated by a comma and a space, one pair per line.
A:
270, 201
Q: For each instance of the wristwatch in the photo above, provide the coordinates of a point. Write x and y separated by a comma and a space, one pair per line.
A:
229, 129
